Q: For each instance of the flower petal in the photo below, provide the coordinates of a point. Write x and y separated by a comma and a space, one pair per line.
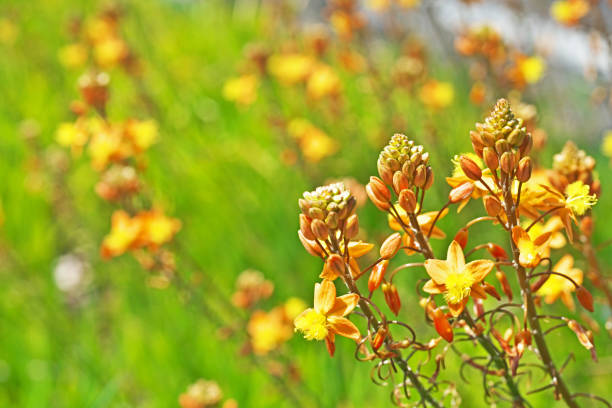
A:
457, 308
478, 291
479, 269
331, 345
324, 296
344, 327
438, 270
433, 288
519, 234
454, 256
565, 264
344, 304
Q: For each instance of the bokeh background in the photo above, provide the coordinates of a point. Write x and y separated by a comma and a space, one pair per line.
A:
231, 160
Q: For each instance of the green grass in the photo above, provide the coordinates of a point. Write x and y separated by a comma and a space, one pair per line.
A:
217, 168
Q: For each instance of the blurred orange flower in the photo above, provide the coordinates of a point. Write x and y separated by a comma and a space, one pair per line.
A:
436, 94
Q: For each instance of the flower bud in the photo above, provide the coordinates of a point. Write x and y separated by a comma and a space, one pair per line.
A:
385, 173
502, 146
526, 146
477, 143
377, 275
379, 338
523, 173
391, 245
442, 325
430, 179
470, 168
352, 227
492, 205
501, 277
538, 284
490, 158
381, 190
332, 220
319, 229
305, 227
375, 197
392, 297
497, 252
400, 182
461, 237
585, 298
310, 246
420, 176
461, 192
490, 289
333, 268
407, 200
507, 162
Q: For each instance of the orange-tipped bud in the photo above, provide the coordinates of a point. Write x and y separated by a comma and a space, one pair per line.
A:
470, 168
492, 205
442, 325
377, 275
420, 176
507, 162
538, 284
523, 173
400, 182
305, 227
379, 338
385, 173
379, 193
392, 297
501, 277
478, 307
526, 146
333, 268
319, 229
352, 227
490, 289
461, 192
585, 298
497, 252
391, 245
310, 246
407, 200
477, 143
489, 156
430, 179
461, 237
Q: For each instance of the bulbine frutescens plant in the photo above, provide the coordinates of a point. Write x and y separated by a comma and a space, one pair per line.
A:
531, 206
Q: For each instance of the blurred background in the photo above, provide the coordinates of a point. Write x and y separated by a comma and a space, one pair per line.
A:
233, 109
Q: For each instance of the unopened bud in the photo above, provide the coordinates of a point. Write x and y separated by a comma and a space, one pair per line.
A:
392, 297
377, 275
461, 237
430, 179
332, 220
526, 146
400, 182
352, 227
477, 143
501, 277
501, 147
319, 229
585, 298
379, 338
523, 173
507, 162
310, 246
333, 268
538, 284
470, 168
385, 173
497, 252
407, 200
420, 176
377, 197
305, 227
490, 289
490, 158
391, 245
461, 192
442, 325
492, 205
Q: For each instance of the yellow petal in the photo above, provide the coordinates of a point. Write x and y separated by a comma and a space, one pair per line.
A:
359, 248
325, 296
457, 308
479, 269
344, 327
433, 288
437, 270
454, 256
344, 305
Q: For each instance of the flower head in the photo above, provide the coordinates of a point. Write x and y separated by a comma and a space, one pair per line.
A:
327, 319
531, 250
557, 286
455, 279
578, 198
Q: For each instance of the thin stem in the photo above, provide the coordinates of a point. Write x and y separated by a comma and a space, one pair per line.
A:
433, 224
542, 216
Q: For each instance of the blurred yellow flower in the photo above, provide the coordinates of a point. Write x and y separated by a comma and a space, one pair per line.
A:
569, 12
531, 68
606, 146
242, 90
314, 143
142, 133
290, 68
557, 286
110, 52
293, 307
437, 95
157, 228
105, 145
71, 135
73, 55
408, 3
322, 82
268, 330
8, 31
124, 233
379, 5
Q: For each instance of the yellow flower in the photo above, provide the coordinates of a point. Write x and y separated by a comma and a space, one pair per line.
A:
322, 82
110, 52
327, 319
531, 251
456, 279
71, 135
531, 68
242, 90
125, 231
293, 307
606, 146
578, 198
143, 133
105, 145
290, 68
437, 95
268, 330
554, 225
557, 286
73, 55
408, 3
314, 143
379, 5
569, 12
157, 228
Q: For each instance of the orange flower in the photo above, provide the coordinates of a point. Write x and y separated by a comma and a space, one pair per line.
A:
327, 319
531, 251
557, 286
569, 12
436, 94
456, 279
